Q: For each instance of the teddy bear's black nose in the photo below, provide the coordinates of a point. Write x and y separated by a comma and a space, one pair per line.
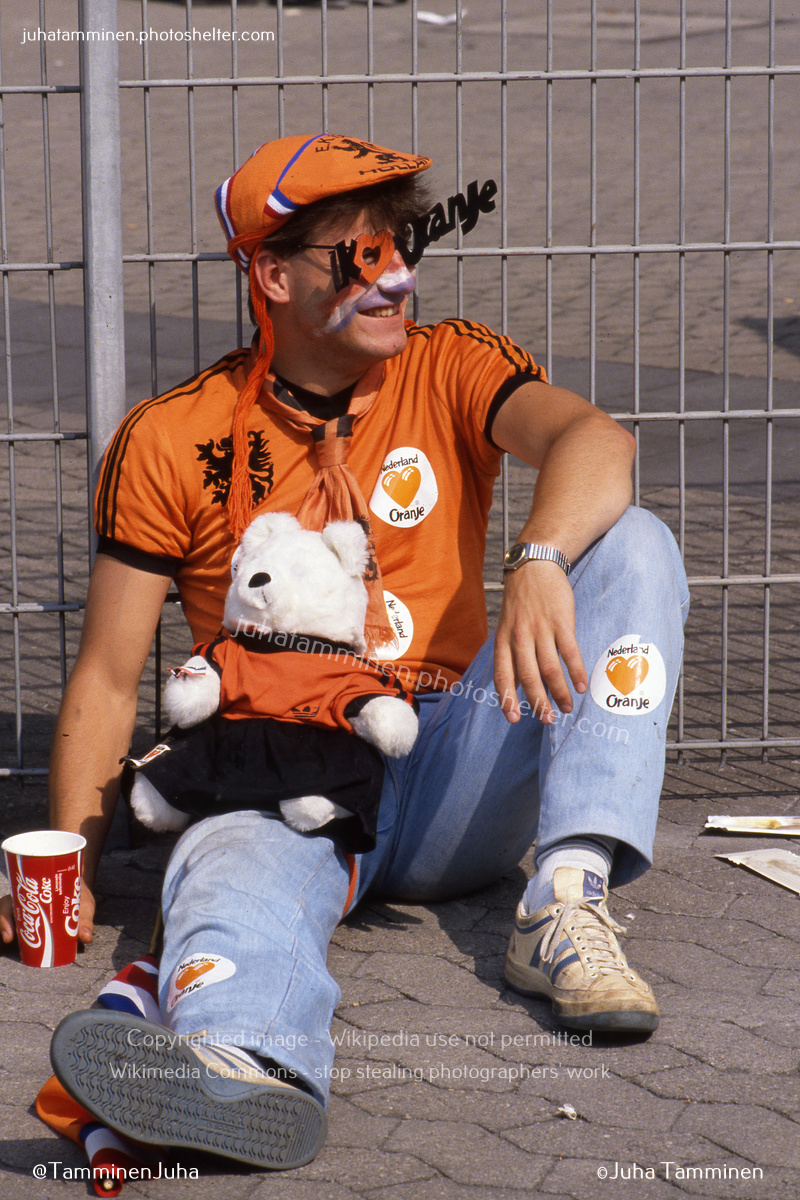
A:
259, 579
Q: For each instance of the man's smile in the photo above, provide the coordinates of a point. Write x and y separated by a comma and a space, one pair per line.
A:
386, 310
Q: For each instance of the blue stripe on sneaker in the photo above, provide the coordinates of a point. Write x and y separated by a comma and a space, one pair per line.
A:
559, 966
526, 929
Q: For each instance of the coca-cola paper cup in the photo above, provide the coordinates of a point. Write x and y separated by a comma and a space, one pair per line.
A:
44, 868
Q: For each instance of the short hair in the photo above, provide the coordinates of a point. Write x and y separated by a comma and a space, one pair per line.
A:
391, 205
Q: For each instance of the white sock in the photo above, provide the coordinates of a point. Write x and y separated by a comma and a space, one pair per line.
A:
233, 1062
593, 853
232, 1059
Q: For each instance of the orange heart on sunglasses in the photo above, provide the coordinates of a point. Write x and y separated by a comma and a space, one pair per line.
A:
374, 252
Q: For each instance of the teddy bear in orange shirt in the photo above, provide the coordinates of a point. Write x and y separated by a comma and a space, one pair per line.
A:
282, 711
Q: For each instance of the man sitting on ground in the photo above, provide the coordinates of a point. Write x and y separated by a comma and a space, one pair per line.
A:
342, 407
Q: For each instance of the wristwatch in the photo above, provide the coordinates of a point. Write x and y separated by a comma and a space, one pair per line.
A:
524, 552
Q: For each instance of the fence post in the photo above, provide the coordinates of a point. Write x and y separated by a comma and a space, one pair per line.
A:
101, 153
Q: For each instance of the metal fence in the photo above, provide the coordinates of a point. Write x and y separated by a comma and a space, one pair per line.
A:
644, 247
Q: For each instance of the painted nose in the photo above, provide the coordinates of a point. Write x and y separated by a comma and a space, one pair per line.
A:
259, 579
397, 280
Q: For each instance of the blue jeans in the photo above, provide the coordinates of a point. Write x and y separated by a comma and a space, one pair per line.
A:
254, 904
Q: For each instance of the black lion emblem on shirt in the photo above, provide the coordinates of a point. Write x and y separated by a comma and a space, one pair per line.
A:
218, 459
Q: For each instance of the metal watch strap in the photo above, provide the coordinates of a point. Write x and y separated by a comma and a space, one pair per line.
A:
534, 552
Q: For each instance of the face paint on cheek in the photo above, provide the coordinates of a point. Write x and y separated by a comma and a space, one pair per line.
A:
341, 315
392, 288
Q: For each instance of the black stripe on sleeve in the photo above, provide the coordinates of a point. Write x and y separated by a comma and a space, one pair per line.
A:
505, 390
109, 482
513, 354
142, 560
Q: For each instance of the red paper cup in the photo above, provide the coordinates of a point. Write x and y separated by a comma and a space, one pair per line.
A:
44, 868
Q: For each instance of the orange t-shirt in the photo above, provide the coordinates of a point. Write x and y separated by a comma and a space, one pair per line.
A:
421, 456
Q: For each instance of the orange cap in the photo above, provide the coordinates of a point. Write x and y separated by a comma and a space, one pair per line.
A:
286, 174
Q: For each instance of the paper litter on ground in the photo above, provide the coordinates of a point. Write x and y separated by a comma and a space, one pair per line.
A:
780, 826
779, 866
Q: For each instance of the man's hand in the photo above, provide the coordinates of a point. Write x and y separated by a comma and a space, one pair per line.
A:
535, 628
86, 915
7, 932
583, 486
85, 919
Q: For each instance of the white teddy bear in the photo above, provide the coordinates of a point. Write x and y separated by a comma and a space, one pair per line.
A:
266, 713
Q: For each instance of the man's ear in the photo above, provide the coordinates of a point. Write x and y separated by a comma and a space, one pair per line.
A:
270, 271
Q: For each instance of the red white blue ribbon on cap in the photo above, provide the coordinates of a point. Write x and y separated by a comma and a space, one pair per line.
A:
277, 206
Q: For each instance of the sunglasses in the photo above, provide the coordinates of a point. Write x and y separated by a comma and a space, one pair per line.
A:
365, 258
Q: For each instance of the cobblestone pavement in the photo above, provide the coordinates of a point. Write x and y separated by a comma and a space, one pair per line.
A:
452, 1087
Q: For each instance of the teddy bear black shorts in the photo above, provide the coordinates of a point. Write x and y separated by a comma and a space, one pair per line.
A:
224, 765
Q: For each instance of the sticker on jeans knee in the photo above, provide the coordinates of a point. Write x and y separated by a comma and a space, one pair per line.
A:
629, 677
196, 972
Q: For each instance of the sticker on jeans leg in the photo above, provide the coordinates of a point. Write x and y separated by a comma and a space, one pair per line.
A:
195, 972
629, 677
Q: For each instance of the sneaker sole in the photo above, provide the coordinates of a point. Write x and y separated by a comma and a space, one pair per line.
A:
169, 1103
531, 982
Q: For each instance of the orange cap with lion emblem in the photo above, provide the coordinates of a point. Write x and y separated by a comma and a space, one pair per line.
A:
287, 174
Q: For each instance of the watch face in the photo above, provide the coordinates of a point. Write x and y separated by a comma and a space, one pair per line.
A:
515, 556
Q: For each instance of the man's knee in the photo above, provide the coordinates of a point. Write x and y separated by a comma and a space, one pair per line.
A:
249, 852
640, 531
640, 543
223, 834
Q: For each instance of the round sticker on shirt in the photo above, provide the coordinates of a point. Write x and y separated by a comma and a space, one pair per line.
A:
406, 490
629, 677
403, 626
